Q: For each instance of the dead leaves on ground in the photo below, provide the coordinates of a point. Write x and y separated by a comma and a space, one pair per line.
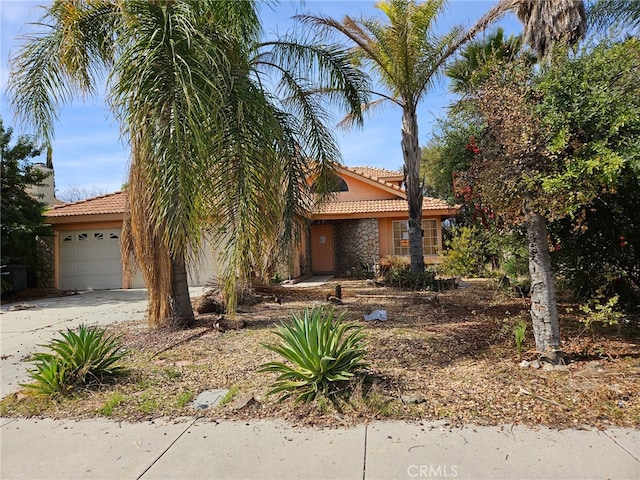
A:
457, 355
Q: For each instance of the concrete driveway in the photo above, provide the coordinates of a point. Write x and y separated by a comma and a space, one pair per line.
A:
38, 321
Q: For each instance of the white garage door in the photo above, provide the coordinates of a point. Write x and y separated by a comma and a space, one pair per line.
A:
90, 259
204, 272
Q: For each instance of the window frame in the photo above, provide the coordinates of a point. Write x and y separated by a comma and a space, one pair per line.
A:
401, 227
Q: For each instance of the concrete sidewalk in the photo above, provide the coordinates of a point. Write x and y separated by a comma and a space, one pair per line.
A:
199, 449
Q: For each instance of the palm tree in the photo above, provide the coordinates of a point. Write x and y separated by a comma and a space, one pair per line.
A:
551, 22
212, 149
604, 13
473, 65
406, 56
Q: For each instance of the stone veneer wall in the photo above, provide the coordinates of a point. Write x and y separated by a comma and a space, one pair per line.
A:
357, 242
45, 260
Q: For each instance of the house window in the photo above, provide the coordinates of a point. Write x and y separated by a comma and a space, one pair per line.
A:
341, 186
401, 237
98, 236
68, 238
83, 236
334, 184
430, 238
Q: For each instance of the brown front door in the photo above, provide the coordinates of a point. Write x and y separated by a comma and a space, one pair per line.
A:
322, 256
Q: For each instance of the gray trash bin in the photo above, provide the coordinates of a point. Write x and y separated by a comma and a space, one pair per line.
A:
16, 276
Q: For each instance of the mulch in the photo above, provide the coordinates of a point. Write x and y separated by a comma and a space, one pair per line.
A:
449, 358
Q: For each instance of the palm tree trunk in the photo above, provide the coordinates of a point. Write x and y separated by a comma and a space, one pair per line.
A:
544, 310
412, 156
182, 312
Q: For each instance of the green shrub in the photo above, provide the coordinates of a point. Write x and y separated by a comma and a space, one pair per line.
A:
597, 312
322, 355
516, 264
399, 275
50, 376
365, 270
465, 256
78, 358
519, 332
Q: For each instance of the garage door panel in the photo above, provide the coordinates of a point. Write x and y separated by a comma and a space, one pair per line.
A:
106, 266
90, 259
83, 267
67, 269
111, 269
83, 251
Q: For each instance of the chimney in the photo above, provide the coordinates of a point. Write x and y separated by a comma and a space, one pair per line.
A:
44, 192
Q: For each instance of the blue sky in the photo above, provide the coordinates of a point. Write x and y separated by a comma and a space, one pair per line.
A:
88, 151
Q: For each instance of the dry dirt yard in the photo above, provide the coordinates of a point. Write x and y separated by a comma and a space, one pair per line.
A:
453, 359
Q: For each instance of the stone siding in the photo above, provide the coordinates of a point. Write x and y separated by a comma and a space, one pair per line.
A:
357, 244
45, 262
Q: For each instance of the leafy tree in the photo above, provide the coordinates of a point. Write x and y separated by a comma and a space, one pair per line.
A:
449, 150
448, 153
22, 220
597, 250
212, 149
547, 24
405, 55
553, 140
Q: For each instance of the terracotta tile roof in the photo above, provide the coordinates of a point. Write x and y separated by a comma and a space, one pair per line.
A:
109, 203
115, 202
375, 172
377, 206
376, 179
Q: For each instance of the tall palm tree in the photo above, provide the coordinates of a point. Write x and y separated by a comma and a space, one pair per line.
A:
405, 55
212, 149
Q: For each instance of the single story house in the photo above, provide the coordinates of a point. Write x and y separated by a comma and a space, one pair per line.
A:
360, 226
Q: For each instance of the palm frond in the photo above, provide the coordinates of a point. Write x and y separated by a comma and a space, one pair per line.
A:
335, 77
603, 14
368, 108
66, 56
550, 22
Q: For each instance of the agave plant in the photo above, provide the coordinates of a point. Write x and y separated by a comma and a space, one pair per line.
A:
79, 357
49, 375
321, 354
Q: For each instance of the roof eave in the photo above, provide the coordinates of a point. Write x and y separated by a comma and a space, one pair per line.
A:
442, 212
381, 184
84, 218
